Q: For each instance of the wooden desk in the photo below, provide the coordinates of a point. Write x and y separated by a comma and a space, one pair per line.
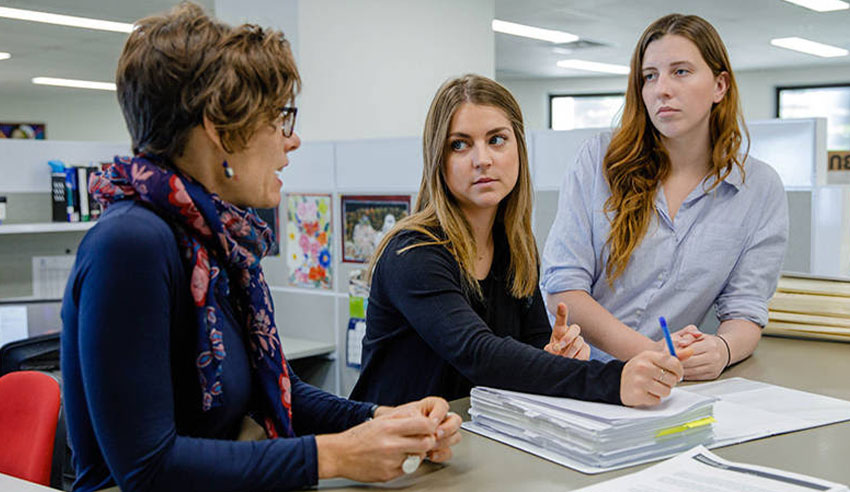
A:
818, 367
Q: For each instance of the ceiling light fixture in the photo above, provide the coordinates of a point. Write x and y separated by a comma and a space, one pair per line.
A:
821, 5
810, 47
77, 84
591, 66
4, 55
533, 32
65, 20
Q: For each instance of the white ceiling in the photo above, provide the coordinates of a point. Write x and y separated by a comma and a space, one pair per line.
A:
67, 52
746, 26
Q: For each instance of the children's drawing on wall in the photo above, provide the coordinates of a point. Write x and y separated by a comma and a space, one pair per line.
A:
29, 131
366, 220
308, 240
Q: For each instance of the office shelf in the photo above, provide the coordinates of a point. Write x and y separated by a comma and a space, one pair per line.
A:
299, 348
45, 227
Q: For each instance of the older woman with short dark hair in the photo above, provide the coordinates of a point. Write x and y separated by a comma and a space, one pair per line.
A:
170, 350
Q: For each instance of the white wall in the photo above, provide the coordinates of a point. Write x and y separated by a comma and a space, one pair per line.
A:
70, 114
757, 87
371, 67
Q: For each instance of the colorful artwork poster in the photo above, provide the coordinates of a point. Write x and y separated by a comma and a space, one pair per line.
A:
308, 240
366, 220
29, 131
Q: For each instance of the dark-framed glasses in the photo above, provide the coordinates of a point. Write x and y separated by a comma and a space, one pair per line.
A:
287, 118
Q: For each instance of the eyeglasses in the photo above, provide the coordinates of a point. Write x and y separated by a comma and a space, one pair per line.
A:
287, 117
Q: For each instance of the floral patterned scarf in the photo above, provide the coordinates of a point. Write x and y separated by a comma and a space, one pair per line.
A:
218, 241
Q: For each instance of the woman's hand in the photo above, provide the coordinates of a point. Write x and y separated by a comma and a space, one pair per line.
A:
566, 341
682, 339
710, 358
650, 376
375, 450
447, 434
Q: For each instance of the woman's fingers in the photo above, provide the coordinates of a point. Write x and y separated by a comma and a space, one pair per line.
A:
649, 377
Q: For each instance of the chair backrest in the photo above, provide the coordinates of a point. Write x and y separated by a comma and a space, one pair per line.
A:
40, 353
29, 410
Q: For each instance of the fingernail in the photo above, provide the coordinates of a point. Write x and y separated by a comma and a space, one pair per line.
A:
440, 433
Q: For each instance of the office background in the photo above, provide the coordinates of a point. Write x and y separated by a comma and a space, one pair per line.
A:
370, 68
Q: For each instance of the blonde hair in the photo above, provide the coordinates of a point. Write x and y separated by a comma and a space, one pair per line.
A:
636, 160
437, 214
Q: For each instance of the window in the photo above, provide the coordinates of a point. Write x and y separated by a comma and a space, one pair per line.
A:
829, 101
571, 111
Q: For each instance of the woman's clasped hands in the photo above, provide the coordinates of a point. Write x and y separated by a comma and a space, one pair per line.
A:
375, 450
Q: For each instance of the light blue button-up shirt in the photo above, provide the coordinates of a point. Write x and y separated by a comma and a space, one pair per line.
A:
724, 248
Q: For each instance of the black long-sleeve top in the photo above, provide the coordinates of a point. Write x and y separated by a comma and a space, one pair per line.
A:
425, 335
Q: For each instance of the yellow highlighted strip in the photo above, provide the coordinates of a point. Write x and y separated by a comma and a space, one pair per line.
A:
690, 425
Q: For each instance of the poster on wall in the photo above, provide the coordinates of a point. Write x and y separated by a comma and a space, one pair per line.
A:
28, 131
308, 240
366, 219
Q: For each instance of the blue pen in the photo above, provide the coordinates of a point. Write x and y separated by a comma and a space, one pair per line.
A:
667, 335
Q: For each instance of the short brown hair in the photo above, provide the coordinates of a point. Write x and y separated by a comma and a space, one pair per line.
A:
180, 66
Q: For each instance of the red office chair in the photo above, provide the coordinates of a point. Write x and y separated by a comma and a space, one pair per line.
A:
29, 410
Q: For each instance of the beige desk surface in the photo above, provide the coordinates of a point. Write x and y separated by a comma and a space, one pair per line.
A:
818, 367
483, 464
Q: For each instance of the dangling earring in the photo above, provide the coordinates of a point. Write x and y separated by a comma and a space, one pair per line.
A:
228, 171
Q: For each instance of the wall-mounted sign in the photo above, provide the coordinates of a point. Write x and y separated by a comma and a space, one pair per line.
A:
839, 160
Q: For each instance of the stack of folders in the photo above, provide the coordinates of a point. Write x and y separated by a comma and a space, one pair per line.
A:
806, 306
588, 436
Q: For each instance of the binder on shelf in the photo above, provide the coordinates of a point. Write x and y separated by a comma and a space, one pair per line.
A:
58, 201
72, 201
83, 189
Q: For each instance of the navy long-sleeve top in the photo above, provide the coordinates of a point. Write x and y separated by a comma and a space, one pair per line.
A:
131, 391
425, 335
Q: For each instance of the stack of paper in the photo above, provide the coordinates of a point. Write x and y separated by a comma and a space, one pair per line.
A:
592, 436
810, 307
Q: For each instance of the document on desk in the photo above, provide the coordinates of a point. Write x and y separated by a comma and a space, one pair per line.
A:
595, 437
699, 470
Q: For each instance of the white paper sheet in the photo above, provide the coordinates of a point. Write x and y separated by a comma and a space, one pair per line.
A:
13, 324
699, 470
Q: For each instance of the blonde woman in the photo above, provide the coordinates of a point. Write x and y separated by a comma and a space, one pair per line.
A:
454, 300
669, 215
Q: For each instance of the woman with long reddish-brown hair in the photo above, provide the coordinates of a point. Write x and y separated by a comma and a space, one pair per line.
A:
669, 215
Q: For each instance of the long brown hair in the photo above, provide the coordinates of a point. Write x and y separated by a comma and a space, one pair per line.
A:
636, 160
437, 214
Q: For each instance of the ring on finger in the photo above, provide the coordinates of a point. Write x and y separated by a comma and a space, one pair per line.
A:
663, 373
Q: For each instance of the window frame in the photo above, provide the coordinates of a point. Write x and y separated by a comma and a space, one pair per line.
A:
780, 88
578, 95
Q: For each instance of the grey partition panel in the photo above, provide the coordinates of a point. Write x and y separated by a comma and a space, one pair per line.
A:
311, 168
379, 165
22, 208
304, 314
554, 152
17, 250
545, 209
798, 256
796, 148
